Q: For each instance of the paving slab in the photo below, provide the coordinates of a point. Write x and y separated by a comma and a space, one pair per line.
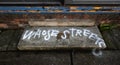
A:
116, 37
49, 38
112, 38
109, 57
35, 58
5, 38
15, 39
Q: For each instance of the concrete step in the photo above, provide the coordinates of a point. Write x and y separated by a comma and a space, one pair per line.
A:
49, 38
62, 22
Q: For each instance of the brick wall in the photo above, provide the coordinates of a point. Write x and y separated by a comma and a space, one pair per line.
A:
21, 20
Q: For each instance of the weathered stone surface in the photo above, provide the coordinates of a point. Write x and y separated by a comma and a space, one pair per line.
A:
14, 40
35, 58
109, 57
46, 38
62, 22
5, 39
112, 38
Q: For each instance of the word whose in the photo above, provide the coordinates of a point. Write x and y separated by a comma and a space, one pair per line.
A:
47, 34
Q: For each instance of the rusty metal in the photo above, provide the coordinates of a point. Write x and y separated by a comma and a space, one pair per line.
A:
60, 9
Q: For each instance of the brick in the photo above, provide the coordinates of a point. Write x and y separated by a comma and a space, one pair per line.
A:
2, 25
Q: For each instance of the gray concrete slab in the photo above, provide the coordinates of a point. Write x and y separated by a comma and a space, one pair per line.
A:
112, 38
47, 38
5, 39
35, 58
109, 57
14, 40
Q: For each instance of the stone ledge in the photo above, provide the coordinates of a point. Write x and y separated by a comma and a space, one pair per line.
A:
47, 38
62, 22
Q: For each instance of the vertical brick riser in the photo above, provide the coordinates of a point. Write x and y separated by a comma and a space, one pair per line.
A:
21, 20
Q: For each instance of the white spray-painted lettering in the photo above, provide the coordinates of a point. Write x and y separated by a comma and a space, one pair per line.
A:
37, 33
28, 34
47, 34
78, 33
72, 31
54, 32
65, 36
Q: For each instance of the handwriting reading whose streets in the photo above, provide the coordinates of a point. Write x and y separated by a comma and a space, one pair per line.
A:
47, 34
